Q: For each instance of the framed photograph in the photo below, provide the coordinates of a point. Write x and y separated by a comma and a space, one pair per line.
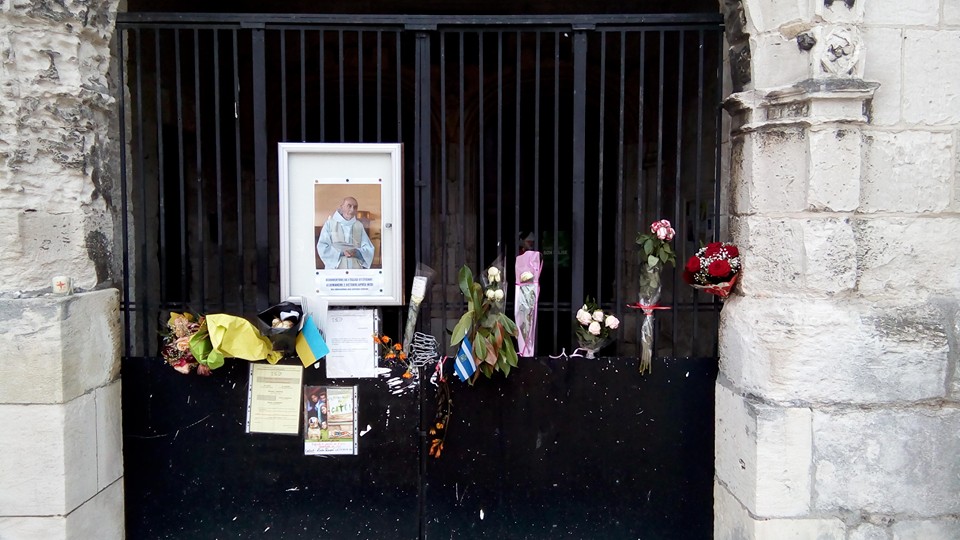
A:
341, 222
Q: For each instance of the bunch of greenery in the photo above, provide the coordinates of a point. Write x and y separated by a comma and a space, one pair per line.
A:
490, 330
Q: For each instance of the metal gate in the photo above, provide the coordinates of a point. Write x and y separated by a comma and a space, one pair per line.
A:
567, 134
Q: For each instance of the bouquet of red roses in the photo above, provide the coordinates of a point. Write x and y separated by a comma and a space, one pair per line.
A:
714, 269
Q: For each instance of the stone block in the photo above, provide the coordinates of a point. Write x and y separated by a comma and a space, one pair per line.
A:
806, 350
71, 343
777, 61
895, 12
889, 461
769, 15
951, 13
829, 254
733, 522
907, 257
884, 58
868, 531
786, 256
763, 454
931, 77
908, 171
945, 529
50, 463
101, 517
839, 11
770, 171
834, 183
109, 435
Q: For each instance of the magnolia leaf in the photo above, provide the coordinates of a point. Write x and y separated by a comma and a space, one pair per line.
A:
509, 353
504, 367
652, 261
508, 324
498, 335
480, 346
476, 294
462, 328
465, 278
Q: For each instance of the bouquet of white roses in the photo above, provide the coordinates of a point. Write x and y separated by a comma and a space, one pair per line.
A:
595, 327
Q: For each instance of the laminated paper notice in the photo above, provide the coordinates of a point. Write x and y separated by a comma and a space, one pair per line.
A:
273, 399
352, 350
329, 420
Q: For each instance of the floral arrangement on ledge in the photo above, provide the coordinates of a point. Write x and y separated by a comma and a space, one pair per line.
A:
595, 327
175, 350
203, 343
714, 269
487, 328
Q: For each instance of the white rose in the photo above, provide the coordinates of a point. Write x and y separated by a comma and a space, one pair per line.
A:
598, 315
526, 276
594, 328
498, 295
612, 322
490, 294
496, 278
583, 316
493, 272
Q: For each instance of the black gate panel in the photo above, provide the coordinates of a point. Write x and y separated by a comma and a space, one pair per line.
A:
576, 448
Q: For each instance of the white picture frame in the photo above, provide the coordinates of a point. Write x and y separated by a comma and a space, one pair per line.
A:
317, 182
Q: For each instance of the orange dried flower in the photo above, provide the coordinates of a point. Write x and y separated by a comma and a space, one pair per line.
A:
390, 356
407, 375
397, 347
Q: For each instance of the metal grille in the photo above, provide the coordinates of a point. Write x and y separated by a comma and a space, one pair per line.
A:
568, 134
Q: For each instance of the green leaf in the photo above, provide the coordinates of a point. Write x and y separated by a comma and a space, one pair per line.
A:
465, 278
509, 353
504, 367
652, 261
508, 325
462, 328
648, 246
480, 347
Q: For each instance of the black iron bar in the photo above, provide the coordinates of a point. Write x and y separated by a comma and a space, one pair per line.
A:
261, 190
536, 146
323, 87
219, 165
198, 136
677, 194
442, 174
161, 179
241, 256
499, 143
181, 171
578, 223
124, 221
283, 85
625, 245
341, 59
600, 177
660, 99
380, 87
510, 250
641, 219
555, 249
303, 86
698, 174
481, 141
142, 292
360, 85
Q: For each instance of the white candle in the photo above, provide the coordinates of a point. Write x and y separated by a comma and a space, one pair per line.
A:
62, 285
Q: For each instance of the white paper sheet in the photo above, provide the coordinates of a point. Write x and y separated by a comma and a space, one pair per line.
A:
349, 334
273, 399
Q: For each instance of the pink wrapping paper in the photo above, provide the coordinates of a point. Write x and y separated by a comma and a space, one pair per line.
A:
527, 295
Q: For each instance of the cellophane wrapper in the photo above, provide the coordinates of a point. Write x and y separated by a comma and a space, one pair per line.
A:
720, 289
649, 295
500, 283
421, 284
529, 265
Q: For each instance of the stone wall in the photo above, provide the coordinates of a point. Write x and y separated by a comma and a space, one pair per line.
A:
61, 475
838, 403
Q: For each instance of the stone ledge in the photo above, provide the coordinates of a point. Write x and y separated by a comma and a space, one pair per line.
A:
59, 347
101, 517
806, 103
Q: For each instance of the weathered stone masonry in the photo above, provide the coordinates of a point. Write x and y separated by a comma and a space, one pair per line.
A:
838, 412
61, 474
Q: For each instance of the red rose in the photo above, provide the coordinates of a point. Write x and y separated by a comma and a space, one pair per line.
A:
732, 251
719, 268
693, 264
712, 249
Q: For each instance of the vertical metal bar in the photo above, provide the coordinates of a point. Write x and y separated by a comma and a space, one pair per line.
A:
422, 143
695, 218
125, 302
619, 300
360, 84
659, 201
241, 255
461, 171
536, 146
161, 184
577, 256
481, 139
219, 171
142, 296
442, 176
303, 87
198, 135
340, 58
380, 87
718, 115
641, 184
600, 177
398, 42
323, 94
262, 204
516, 154
499, 141
676, 182
181, 172
283, 85
556, 183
